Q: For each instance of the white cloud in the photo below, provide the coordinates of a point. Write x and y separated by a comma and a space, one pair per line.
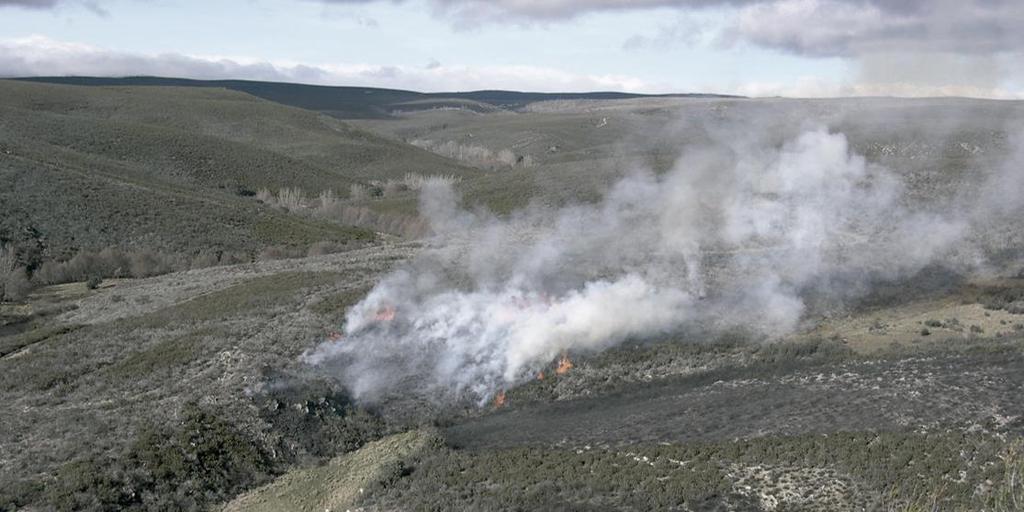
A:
860, 27
816, 87
41, 56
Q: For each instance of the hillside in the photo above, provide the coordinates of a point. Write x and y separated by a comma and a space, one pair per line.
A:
176, 169
362, 102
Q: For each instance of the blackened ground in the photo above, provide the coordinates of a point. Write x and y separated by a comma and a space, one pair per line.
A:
970, 388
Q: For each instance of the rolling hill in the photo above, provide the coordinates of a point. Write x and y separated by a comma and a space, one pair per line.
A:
363, 102
176, 169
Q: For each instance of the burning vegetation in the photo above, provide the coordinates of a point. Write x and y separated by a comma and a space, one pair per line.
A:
500, 400
564, 364
385, 314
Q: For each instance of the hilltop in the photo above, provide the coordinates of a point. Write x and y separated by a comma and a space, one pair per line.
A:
364, 102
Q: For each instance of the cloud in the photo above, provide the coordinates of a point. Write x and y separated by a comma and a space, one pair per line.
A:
684, 31
40, 56
816, 28
32, 4
50, 4
474, 11
826, 28
816, 87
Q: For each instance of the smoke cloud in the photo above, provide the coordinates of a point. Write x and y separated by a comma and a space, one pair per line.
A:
737, 234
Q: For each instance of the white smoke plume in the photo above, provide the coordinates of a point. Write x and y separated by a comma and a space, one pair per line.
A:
734, 236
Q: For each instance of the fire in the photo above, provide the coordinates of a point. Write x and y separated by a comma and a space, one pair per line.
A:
335, 336
500, 400
385, 314
540, 376
564, 364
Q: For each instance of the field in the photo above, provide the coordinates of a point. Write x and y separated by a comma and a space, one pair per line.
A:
186, 386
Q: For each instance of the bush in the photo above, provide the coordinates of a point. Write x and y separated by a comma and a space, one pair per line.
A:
205, 259
199, 462
149, 263
93, 282
14, 285
110, 262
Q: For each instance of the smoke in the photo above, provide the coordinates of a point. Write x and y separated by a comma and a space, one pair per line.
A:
737, 234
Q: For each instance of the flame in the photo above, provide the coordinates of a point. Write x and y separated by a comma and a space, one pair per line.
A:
540, 376
564, 364
334, 336
385, 314
500, 400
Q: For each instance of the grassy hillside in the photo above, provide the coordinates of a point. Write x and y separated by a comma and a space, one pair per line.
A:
176, 169
360, 102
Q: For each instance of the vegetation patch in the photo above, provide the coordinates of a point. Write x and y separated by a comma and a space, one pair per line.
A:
193, 464
253, 295
335, 305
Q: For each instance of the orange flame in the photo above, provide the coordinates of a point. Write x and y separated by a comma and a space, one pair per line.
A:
500, 400
335, 336
385, 314
564, 364
540, 376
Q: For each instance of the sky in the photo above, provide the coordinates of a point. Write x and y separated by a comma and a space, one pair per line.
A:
795, 48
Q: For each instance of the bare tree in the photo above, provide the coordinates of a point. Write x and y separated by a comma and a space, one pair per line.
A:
291, 198
7, 258
358, 192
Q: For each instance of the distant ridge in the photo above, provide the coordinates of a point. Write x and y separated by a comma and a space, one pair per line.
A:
361, 102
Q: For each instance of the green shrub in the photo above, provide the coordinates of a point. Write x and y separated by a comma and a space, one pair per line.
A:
93, 282
200, 461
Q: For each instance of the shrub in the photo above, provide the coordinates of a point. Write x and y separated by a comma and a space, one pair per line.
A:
279, 252
93, 282
392, 188
205, 259
115, 262
234, 258
14, 285
149, 263
82, 265
197, 463
51, 272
